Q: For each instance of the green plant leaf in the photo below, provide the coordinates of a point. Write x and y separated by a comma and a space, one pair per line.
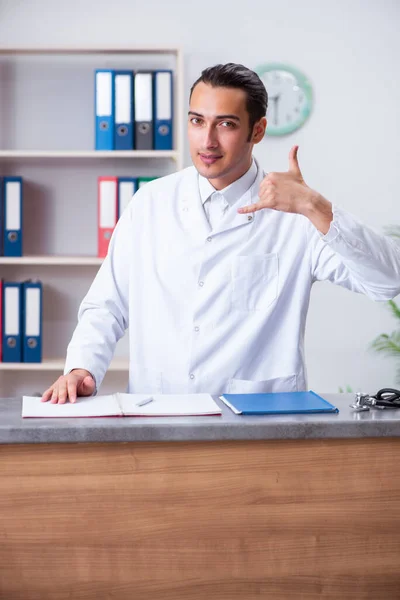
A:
388, 344
393, 231
394, 309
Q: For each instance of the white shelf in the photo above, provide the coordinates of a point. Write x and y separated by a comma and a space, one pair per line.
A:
57, 364
93, 50
52, 260
11, 154
61, 168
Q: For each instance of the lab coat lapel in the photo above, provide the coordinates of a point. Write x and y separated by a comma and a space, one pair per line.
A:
233, 219
193, 216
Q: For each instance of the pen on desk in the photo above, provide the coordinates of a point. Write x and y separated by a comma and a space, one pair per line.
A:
145, 401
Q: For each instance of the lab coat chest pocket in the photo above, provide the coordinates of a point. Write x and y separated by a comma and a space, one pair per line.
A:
254, 281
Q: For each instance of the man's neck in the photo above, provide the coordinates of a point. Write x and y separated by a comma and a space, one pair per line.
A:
223, 182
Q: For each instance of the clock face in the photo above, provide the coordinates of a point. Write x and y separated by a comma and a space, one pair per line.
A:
289, 98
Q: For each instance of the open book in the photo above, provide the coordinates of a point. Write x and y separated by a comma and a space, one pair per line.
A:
124, 405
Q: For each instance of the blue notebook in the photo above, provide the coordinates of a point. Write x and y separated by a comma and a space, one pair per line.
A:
278, 403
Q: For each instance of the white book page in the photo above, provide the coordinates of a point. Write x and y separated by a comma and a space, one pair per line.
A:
88, 406
235, 410
164, 405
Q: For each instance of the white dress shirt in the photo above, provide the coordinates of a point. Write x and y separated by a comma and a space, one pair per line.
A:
216, 203
219, 309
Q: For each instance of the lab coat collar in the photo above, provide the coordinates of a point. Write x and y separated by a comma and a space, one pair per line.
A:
233, 192
194, 217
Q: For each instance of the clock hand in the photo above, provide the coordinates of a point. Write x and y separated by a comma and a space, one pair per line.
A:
276, 100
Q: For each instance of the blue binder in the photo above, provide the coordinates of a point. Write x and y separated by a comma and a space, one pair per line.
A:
12, 304
123, 110
163, 110
278, 403
32, 322
12, 199
104, 109
127, 186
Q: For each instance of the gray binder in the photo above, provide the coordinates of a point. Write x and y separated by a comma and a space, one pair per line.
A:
144, 110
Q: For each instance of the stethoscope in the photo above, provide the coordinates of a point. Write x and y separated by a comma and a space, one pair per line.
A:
385, 398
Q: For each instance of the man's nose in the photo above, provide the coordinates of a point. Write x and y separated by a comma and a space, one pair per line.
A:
211, 138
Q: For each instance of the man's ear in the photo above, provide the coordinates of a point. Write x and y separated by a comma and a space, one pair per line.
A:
259, 130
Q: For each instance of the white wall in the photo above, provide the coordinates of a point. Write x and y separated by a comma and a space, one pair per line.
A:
349, 149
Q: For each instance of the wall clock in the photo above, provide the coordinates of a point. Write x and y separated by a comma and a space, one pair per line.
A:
290, 97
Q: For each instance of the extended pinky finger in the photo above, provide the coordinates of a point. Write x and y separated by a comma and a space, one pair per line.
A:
249, 209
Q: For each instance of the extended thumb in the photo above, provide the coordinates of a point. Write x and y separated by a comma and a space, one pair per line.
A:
88, 384
293, 162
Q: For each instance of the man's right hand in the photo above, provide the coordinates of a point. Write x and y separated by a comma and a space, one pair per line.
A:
68, 387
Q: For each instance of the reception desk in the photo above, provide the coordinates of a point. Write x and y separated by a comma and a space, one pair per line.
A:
217, 508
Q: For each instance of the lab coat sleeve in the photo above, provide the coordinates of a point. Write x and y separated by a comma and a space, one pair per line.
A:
103, 313
356, 257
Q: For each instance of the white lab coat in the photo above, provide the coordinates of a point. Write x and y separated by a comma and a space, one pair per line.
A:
224, 310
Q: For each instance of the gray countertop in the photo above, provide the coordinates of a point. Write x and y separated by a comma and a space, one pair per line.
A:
345, 424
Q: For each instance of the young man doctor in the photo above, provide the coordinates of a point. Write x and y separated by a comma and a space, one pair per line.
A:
212, 267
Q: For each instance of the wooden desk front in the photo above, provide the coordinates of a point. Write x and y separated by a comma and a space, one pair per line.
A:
279, 519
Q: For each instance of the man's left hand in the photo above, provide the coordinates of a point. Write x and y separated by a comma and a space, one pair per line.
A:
288, 192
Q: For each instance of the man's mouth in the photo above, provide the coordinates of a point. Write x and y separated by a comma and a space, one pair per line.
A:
210, 159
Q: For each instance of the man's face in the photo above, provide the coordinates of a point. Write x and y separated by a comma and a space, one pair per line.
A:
218, 130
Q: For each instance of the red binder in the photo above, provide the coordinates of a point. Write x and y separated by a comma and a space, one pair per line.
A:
107, 212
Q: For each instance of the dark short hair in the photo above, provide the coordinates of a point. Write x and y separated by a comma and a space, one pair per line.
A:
232, 75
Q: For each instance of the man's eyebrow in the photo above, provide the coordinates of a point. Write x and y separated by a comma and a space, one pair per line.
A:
196, 114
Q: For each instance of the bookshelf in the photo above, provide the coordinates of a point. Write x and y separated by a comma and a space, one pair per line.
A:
47, 136
95, 154
52, 260
119, 364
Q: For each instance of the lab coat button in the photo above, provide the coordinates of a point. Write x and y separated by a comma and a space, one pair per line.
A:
209, 239
191, 376
249, 218
201, 283
197, 328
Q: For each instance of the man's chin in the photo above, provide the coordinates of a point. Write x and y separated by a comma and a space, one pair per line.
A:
209, 171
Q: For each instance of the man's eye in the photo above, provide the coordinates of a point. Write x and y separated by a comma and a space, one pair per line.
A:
228, 124
195, 120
